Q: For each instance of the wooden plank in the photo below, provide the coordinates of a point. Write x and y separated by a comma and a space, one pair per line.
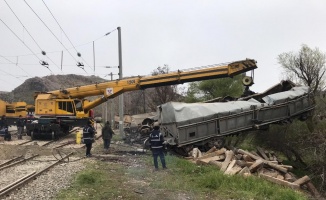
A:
256, 154
269, 173
235, 169
254, 157
230, 166
289, 177
211, 150
270, 164
279, 176
274, 157
215, 153
196, 153
215, 163
238, 156
245, 171
312, 189
288, 167
229, 155
206, 160
280, 182
278, 167
302, 180
256, 165
262, 153
269, 155
243, 163
247, 158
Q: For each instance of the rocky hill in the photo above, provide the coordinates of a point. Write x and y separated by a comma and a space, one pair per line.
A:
25, 92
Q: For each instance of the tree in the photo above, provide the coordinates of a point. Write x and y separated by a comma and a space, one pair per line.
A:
160, 95
209, 89
306, 141
305, 67
193, 92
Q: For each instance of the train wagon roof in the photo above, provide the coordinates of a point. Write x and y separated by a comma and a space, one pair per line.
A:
177, 112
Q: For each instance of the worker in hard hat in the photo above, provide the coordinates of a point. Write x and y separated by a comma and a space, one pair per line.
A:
156, 140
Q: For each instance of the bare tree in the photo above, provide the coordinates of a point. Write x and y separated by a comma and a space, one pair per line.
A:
159, 95
306, 67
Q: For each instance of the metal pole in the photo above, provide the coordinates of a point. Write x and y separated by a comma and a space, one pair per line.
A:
94, 56
106, 111
112, 102
120, 77
144, 101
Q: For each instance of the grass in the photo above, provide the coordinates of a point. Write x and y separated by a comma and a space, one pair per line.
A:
135, 180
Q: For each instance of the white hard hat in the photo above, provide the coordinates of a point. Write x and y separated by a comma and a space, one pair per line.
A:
156, 124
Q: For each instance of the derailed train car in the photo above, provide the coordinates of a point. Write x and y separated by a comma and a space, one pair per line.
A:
186, 125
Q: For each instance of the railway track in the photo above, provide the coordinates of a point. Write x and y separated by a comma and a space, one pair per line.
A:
17, 172
20, 171
48, 143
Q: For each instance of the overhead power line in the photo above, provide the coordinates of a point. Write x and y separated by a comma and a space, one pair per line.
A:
65, 34
57, 51
50, 31
15, 64
29, 33
22, 41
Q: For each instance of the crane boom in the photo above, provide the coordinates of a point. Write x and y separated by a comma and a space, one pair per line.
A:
112, 89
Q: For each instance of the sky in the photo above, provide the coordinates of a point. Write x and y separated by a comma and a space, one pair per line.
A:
179, 33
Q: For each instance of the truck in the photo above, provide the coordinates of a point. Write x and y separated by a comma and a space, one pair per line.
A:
58, 111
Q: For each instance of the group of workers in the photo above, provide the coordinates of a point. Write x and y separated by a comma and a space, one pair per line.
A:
20, 123
89, 133
156, 140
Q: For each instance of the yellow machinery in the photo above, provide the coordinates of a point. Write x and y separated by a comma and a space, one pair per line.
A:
57, 111
14, 109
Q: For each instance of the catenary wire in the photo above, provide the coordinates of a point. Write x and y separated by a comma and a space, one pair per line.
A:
22, 42
64, 33
56, 51
15, 64
29, 32
52, 32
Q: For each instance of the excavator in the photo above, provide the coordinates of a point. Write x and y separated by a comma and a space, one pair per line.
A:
57, 112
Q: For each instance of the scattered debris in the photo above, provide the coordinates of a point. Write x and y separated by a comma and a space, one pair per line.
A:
262, 163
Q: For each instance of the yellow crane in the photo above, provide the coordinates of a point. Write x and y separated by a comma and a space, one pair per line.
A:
57, 111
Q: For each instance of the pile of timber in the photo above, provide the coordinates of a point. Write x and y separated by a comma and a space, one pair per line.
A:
262, 163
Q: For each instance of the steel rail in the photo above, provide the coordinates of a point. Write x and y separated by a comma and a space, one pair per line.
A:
64, 144
15, 163
25, 142
9, 161
16, 182
14, 186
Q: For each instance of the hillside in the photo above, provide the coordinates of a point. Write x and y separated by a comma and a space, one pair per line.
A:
25, 91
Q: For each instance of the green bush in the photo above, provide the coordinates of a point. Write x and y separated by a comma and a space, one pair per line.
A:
88, 177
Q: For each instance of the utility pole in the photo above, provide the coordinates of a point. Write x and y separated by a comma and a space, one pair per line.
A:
120, 78
112, 101
111, 108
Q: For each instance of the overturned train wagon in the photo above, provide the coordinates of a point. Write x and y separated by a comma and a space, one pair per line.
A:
205, 123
